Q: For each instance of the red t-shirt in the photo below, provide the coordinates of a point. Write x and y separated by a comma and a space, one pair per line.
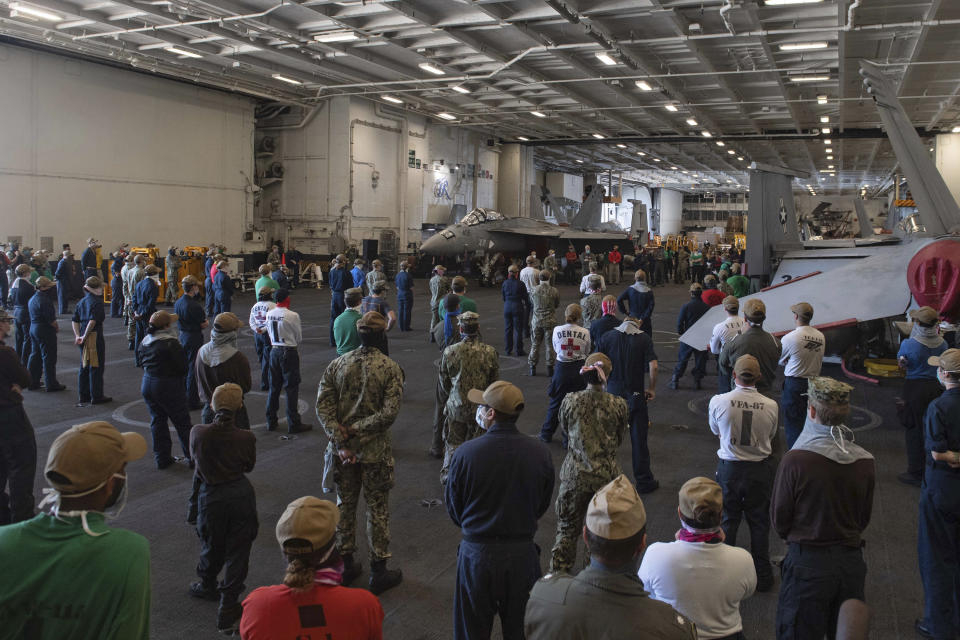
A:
614, 257
713, 297
338, 613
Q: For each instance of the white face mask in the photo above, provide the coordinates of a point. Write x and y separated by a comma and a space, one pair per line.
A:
52, 496
481, 417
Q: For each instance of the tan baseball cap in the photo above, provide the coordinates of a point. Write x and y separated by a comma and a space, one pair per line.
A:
949, 360
501, 396
86, 455
754, 309
23, 270
372, 322
747, 368
93, 284
699, 496
151, 269
227, 321
513, 269
227, 396
616, 512
439, 267
162, 319
803, 309
310, 519
189, 281
458, 280
926, 315
602, 359
43, 283
731, 303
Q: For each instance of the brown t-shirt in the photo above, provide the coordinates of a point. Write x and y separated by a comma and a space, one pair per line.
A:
236, 369
11, 373
222, 453
820, 502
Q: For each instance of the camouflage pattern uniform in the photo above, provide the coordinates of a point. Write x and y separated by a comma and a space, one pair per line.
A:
173, 263
683, 265
490, 266
135, 274
469, 364
550, 262
595, 422
439, 287
592, 305
362, 390
374, 277
543, 319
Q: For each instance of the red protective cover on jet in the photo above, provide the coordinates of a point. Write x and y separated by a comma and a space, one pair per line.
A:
934, 277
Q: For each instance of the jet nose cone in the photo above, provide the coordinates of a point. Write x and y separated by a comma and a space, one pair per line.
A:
435, 245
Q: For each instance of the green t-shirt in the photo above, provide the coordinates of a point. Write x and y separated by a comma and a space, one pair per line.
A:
345, 331
466, 304
60, 582
740, 284
263, 282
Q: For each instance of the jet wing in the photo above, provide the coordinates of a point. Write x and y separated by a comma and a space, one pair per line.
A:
564, 233
865, 289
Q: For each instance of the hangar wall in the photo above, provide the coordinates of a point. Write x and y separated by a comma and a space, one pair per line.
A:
87, 149
347, 173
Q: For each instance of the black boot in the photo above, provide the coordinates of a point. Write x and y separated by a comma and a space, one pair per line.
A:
351, 570
674, 383
205, 590
228, 618
299, 428
533, 371
382, 578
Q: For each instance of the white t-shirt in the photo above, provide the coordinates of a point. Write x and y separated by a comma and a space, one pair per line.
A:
530, 277
283, 327
585, 286
746, 421
724, 331
802, 354
258, 315
704, 581
571, 342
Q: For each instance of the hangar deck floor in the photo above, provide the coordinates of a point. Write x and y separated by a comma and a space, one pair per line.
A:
424, 541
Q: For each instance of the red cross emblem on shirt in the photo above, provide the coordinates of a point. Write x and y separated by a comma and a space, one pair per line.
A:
569, 348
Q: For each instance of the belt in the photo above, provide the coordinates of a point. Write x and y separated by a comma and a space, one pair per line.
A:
941, 466
723, 461
496, 539
283, 346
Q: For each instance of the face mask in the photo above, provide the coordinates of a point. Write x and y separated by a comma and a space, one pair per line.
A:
481, 417
53, 497
941, 378
843, 432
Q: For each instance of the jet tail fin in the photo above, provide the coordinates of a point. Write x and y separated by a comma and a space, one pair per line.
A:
590, 211
866, 229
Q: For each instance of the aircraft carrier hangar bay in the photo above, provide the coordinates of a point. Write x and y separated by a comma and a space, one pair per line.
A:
814, 134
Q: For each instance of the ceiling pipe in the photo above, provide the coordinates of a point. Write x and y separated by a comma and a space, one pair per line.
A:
178, 25
850, 10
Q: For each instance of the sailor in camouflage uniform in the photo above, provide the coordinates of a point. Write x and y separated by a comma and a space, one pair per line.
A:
376, 275
439, 288
543, 319
134, 275
592, 303
358, 400
595, 422
468, 364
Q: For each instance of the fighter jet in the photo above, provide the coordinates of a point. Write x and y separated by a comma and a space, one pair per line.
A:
849, 287
489, 231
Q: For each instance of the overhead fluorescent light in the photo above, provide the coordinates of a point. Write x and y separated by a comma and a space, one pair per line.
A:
809, 78
391, 99
803, 46
17, 8
524, 138
706, 134
824, 119
828, 150
188, 54
282, 78
781, 3
740, 158
721, 143
670, 107
825, 130
127, 15
206, 39
829, 166
684, 171
426, 66
605, 58
656, 160
621, 146
598, 136
538, 114
673, 168
821, 99
641, 153
579, 161
643, 86
337, 36
827, 141
955, 130
691, 122
446, 116
731, 151
73, 24
460, 89
829, 157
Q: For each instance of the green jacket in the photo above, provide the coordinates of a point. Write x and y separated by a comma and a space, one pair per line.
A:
345, 331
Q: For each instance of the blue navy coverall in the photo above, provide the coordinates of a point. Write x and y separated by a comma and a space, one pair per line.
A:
499, 485
20, 298
223, 293
116, 289
638, 304
144, 305
404, 282
164, 368
43, 314
689, 314
64, 276
208, 285
190, 316
88, 262
339, 282
515, 301
90, 379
